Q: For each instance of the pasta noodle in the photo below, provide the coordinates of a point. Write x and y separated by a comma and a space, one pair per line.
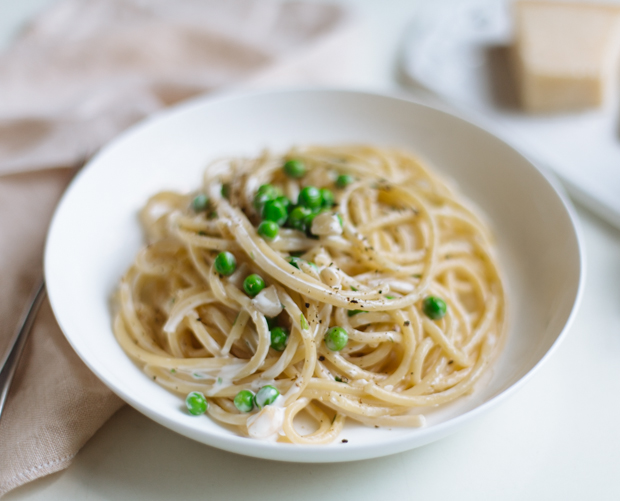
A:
383, 301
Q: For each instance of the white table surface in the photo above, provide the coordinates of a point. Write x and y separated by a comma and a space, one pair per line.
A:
558, 438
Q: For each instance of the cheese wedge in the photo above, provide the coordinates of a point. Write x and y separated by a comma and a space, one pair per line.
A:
566, 54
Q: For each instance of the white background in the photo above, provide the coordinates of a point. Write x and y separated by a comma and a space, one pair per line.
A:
558, 438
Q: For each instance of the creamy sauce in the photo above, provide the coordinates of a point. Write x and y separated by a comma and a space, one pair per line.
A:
267, 424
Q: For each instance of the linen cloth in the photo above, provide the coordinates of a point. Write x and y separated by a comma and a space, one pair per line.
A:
79, 74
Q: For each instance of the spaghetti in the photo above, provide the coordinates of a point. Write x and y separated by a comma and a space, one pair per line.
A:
373, 298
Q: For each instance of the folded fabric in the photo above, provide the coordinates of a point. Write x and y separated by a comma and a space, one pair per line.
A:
81, 73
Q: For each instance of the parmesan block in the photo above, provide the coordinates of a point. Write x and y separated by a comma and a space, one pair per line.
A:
566, 54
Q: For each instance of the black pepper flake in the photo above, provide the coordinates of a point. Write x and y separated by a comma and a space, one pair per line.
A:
407, 322
321, 358
307, 305
345, 441
450, 362
380, 292
376, 426
355, 301
320, 321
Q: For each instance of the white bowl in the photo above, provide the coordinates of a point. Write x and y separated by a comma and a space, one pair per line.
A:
95, 235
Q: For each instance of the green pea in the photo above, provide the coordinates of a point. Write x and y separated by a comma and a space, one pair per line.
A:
279, 338
434, 307
200, 203
225, 191
344, 180
275, 211
196, 403
225, 263
265, 193
253, 284
336, 338
268, 230
296, 219
352, 313
266, 396
244, 401
309, 197
327, 198
288, 205
294, 169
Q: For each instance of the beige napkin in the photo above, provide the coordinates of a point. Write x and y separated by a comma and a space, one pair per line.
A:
77, 76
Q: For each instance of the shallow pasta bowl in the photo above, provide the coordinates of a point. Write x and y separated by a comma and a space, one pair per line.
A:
95, 235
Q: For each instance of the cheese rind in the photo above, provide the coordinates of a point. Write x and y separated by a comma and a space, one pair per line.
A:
566, 54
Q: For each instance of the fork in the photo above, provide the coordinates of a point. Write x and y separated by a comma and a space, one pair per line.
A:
9, 364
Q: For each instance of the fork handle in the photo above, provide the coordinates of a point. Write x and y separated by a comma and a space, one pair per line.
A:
7, 369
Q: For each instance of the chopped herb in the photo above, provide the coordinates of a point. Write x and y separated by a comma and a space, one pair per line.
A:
417, 275
354, 289
341, 380
334, 418
304, 322
390, 297
219, 380
212, 215
173, 371
252, 256
202, 233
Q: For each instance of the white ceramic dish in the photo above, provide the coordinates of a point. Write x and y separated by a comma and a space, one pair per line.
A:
95, 235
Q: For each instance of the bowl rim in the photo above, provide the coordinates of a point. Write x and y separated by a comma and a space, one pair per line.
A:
312, 453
